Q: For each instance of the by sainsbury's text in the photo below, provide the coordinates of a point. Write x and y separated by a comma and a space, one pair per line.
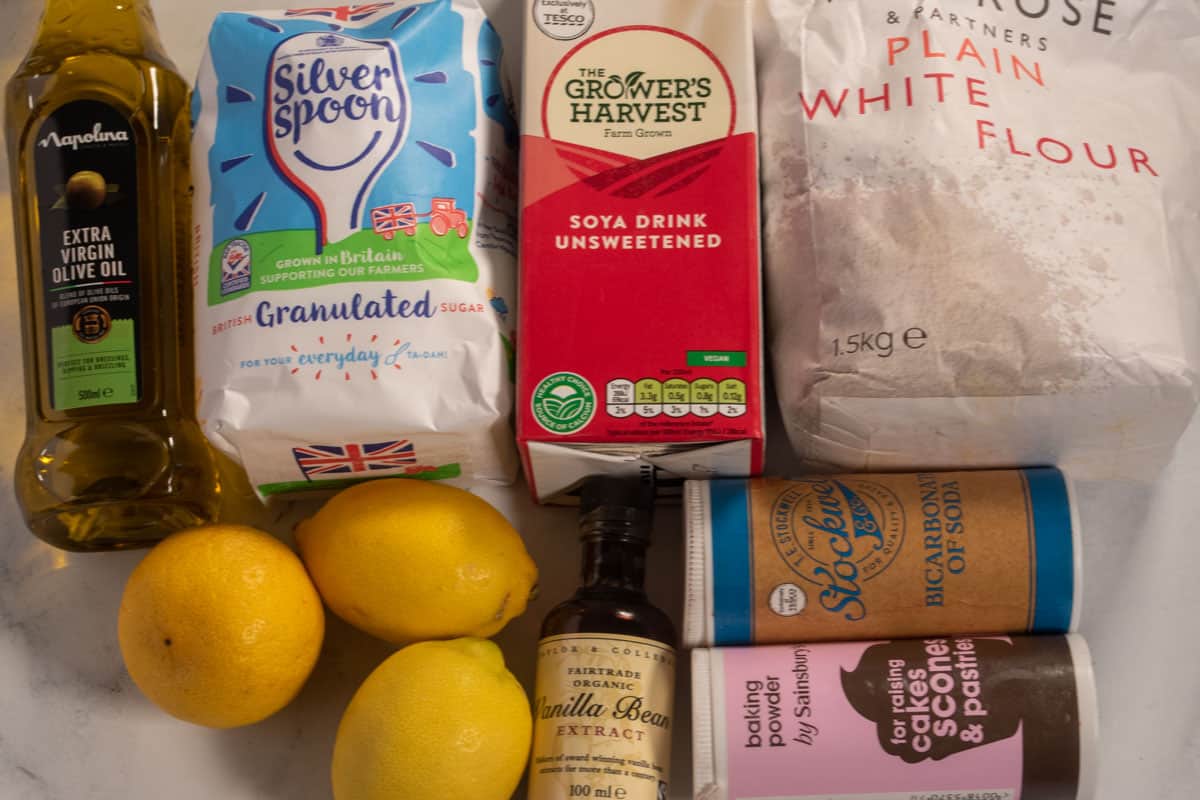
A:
778, 712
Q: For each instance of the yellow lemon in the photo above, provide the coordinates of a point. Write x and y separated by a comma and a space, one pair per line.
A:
408, 560
220, 626
436, 721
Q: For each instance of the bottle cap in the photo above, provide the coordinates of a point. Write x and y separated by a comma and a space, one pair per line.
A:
617, 507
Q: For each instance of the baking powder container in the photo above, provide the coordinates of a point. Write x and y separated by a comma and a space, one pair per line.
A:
949, 718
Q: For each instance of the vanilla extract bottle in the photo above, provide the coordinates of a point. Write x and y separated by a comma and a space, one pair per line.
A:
605, 688
97, 127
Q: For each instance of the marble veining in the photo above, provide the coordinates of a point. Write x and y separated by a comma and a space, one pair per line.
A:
73, 726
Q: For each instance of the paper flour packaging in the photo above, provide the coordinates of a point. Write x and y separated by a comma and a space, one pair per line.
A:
355, 234
982, 234
641, 340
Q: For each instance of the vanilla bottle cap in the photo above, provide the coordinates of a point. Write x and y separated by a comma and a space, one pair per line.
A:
618, 507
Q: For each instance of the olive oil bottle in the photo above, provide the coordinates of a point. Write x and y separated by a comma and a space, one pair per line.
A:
97, 129
605, 687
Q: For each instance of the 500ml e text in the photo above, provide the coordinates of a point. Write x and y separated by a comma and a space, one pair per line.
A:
882, 344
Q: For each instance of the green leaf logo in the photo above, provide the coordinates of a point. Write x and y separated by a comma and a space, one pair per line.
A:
564, 403
572, 408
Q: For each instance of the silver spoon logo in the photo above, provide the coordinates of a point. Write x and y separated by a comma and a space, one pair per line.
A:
337, 113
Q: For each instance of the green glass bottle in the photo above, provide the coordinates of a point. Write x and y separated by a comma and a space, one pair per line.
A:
97, 126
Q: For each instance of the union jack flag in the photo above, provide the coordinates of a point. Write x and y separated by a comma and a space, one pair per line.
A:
324, 459
341, 13
393, 218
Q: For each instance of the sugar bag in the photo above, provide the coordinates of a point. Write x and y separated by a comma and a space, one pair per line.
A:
355, 245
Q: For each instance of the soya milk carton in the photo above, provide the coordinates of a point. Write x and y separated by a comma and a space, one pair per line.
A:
640, 335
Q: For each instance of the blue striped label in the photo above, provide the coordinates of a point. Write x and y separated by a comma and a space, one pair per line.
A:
1034, 520
1052, 594
733, 600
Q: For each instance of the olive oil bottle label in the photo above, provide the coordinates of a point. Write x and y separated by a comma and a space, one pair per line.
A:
86, 178
602, 718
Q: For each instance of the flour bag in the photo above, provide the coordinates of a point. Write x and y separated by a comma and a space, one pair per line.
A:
355, 245
982, 230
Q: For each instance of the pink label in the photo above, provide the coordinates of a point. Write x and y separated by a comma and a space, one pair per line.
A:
897, 719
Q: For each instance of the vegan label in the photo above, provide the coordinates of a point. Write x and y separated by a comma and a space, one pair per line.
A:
603, 714
715, 358
85, 171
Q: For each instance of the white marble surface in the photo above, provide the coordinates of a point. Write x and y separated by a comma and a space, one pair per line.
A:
73, 727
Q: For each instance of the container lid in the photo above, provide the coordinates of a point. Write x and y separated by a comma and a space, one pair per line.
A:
697, 571
708, 725
617, 506
1076, 551
1089, 718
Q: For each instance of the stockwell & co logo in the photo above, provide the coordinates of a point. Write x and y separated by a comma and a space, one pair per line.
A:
838, 533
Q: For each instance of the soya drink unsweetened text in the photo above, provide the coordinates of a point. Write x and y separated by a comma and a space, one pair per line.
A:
640, 329
947, 718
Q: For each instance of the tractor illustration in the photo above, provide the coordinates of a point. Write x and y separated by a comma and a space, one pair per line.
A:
395, 218
444, 217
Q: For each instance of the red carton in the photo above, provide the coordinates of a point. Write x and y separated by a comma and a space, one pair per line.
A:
641, 326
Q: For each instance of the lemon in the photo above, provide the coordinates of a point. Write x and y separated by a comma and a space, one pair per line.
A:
408, 560
436, 721
220, 626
